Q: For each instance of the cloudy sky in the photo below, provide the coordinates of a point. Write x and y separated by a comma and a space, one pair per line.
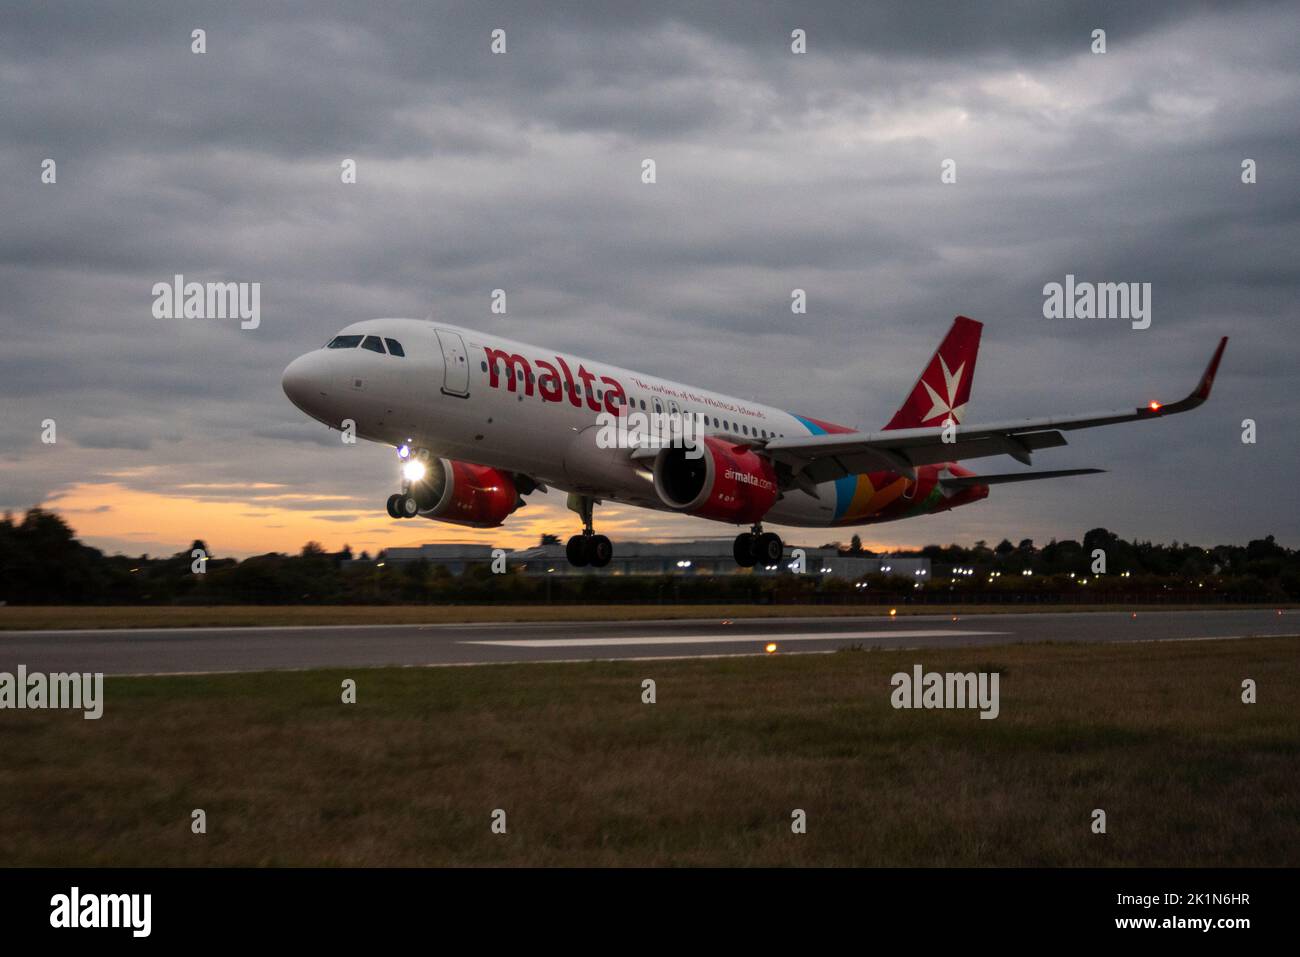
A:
776, 171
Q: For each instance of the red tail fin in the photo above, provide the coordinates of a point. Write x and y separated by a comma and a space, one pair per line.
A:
944, 387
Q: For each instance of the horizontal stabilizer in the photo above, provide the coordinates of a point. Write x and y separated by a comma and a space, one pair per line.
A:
967, 481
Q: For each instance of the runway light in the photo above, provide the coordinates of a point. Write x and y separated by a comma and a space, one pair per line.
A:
893, 612
413, 471
770, 647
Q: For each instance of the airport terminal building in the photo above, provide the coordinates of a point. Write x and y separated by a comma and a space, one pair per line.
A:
701, 557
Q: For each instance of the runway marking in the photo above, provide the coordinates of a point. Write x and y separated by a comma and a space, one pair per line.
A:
581, 642
742, 620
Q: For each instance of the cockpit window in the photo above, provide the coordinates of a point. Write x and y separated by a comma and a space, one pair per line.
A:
344, 342
373, 344
395, 347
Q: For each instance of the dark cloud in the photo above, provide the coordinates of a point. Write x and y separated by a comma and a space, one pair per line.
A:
775, 171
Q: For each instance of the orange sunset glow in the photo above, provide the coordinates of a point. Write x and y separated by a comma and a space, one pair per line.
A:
242, 520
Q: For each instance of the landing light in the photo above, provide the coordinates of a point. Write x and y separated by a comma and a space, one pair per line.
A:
413, 471
404, 452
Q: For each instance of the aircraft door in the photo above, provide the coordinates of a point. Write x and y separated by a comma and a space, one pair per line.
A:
456, 363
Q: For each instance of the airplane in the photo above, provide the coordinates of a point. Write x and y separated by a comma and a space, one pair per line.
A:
480, 421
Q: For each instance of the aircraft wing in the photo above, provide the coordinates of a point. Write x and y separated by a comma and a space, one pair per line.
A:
823, 458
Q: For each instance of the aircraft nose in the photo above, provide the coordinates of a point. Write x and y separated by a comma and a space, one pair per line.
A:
304, 381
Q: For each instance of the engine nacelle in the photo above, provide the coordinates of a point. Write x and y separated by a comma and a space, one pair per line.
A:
728, 483
464, 494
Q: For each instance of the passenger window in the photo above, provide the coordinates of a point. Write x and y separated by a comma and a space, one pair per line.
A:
344, 342
483, 365
373, 344
395, 348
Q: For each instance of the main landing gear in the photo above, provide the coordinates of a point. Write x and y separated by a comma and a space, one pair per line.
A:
757, 547
587, 548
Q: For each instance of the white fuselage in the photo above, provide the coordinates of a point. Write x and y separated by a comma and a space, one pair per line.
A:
536, 416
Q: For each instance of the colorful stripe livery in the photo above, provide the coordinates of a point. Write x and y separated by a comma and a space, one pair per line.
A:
887, 496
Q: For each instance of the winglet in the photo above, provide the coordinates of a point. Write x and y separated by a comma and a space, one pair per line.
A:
1197, 395
1207, 381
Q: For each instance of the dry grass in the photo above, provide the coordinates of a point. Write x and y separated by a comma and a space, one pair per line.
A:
1153, 733
17, 617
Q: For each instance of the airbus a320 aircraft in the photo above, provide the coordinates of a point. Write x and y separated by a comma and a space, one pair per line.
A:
480, 421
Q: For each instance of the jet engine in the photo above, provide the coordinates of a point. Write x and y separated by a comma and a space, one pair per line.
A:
465, 494
727, 483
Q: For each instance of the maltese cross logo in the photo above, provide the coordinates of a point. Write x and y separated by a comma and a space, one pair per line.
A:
946, 408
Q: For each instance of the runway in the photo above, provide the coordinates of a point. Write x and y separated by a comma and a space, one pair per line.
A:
203, 650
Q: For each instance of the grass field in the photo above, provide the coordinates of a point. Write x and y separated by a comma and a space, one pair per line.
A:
16, 617
1155, 734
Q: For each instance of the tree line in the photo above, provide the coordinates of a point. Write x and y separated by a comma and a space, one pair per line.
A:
42, 562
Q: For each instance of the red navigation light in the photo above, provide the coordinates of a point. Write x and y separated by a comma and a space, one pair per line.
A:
1153, 405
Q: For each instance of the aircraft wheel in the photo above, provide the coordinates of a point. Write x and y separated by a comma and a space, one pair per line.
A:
392, 506
743, 550
600, 550
769, 548
407, 506
576, 551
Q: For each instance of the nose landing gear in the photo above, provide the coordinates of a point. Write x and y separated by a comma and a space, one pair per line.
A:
757, 547
403, 505
587, 548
